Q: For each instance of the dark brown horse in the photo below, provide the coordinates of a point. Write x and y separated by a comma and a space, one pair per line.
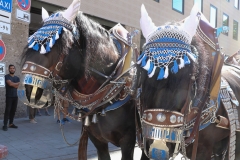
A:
83, 59
176, 77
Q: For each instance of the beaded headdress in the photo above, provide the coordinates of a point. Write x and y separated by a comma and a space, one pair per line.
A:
45, 37
166, 45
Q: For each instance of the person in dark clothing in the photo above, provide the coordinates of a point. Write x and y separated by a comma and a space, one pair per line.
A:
12, 83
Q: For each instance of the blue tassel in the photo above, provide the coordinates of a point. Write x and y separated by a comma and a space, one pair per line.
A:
47, 47
151, 68
36, 47
161, 74
32, 40
59, 30
141, 55
174, 69
144, 61
186, 60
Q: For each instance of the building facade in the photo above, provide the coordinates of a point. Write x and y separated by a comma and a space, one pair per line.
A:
127, 12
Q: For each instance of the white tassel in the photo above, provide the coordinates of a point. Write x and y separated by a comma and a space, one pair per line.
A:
147, 66
43, 50
181, 65
56, 36
166, 72
152, 73
32, 45
30, 38
140, 60
191, 56
50, 43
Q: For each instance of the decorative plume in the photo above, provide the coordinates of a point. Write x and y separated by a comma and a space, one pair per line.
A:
71, 12
146, 23
191, 22
45, 14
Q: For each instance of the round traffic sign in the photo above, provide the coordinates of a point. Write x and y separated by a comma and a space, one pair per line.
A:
2, 50
24, 4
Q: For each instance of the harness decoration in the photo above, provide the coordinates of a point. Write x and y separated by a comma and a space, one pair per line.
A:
46, 36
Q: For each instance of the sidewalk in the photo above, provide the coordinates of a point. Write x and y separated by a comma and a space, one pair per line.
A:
44, 140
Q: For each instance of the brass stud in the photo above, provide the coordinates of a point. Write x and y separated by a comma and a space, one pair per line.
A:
179, 119
33, 68
161, 117
25, 66
173, 119
149, 116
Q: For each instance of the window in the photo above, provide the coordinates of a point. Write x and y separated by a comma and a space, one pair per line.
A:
236, 4
157, 1
199, 3
213, 16
235, 30
178, 5
228, 0
225, 21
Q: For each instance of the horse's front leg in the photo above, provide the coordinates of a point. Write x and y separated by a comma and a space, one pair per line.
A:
101, 146
204, 151
127, 144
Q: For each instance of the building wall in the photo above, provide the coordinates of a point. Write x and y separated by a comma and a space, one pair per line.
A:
128, 13
14, 47
230, 46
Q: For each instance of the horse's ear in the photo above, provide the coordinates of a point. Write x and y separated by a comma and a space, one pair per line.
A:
146, 23
192, 21
45, 14
71, 12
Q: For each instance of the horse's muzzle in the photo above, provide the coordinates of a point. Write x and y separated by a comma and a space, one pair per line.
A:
35, 91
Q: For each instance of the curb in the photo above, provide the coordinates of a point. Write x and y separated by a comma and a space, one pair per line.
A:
3, 151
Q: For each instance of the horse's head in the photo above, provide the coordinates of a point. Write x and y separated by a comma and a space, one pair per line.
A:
66, 47
174, 74
168, 59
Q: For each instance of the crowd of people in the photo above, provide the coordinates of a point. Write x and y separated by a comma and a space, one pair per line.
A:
11, 84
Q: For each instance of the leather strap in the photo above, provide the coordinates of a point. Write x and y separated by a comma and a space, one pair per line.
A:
57, 67
35, 69
194, 133
216, 76
162, 118
138, 129
82, 148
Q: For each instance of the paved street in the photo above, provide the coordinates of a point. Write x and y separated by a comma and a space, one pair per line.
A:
44, 141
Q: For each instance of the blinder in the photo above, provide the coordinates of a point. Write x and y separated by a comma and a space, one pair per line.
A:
39, 84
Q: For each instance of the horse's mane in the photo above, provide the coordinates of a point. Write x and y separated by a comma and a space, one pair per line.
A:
95, 40
203, 69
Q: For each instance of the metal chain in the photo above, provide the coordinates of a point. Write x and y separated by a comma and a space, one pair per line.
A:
57, 108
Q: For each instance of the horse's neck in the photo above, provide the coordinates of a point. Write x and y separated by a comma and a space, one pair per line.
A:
87, 86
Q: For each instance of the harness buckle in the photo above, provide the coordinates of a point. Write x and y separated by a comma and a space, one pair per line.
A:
58, 66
